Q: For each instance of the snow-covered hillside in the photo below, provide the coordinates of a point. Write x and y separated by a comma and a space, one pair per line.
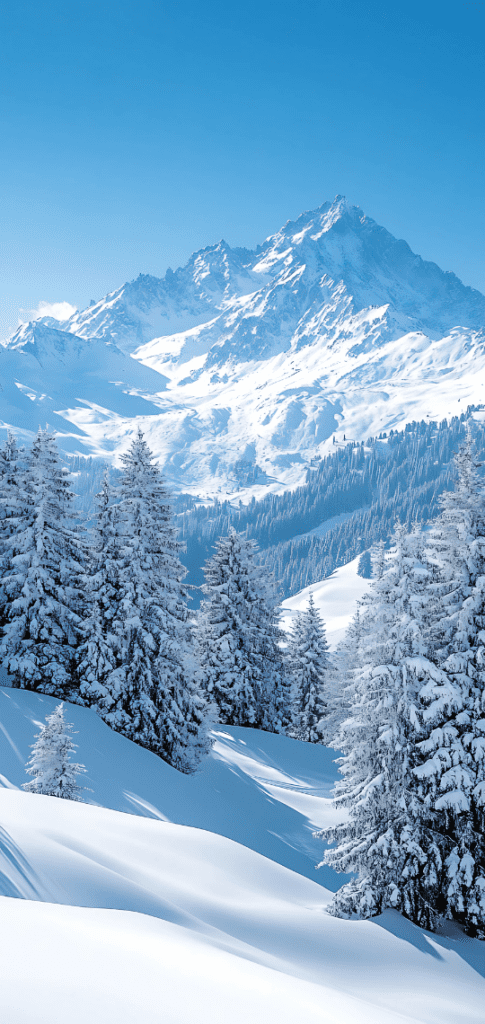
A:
120, 917
336, 598
274, 782
242, 366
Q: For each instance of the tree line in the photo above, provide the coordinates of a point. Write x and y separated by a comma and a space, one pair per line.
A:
399, 475
411, 726
100, 616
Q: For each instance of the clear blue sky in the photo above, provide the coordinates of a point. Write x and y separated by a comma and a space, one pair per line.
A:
134, 132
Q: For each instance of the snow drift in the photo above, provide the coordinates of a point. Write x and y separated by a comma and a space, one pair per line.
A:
122, 917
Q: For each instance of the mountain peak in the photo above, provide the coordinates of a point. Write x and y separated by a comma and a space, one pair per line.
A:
321, 220
322, 328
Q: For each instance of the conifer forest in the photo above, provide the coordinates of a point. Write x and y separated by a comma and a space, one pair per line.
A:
95, 610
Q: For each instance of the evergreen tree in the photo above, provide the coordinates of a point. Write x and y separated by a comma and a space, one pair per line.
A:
383, 842
339, 680
10, 481
378, 560
42, 557
50, 762
364, 567
238, 635
452, 768
143, 683
10, 455
308, 664
99, 658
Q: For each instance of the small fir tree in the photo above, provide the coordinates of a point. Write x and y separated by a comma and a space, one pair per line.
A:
378, 560
339, 681
308, 664
54, 774
99, 658
238, 639
364, 567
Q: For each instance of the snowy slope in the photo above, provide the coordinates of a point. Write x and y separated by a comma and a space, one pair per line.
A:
44, 372
332, 326
122, 918
275, 782
336, 598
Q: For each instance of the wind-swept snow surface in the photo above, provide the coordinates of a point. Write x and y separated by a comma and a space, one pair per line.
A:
122, 918
242, 366
265, 791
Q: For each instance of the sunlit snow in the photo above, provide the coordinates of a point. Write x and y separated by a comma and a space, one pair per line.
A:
332, 328
117, 917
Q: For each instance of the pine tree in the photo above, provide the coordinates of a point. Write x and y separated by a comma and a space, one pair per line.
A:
364, 567
10, 456
42, 557
50, 762
144, 680
238, 637
378, 560
452, 768
308, 664
10, 481
99, 658
339, 681
383, 842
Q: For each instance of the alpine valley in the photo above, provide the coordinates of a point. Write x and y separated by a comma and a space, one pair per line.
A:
242, 367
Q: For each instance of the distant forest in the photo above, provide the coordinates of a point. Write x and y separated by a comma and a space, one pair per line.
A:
351, 499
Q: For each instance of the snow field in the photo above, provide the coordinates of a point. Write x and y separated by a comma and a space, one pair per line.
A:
112, 967
265, 791
128, 918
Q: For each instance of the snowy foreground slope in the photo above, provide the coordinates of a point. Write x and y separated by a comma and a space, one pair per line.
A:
242, 366
124, 918
256, 789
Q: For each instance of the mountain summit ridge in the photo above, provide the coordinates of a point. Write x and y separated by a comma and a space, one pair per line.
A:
257, 358
357, 251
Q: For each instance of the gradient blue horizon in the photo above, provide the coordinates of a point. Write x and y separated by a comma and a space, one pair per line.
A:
135, 133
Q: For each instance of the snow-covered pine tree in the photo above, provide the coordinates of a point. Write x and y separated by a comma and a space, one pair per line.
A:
308, 664
54, 774
378, 560
382, 841
452, 768
10, 454
42, 558
364, 567
339, 680
238, 638
10, 480
99, 657
150, 694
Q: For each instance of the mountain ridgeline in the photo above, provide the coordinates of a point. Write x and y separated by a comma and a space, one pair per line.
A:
241, 366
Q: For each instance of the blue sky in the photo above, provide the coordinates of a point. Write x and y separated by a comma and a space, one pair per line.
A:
133, 133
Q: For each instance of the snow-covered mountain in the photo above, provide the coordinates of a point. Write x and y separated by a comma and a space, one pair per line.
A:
243, 365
